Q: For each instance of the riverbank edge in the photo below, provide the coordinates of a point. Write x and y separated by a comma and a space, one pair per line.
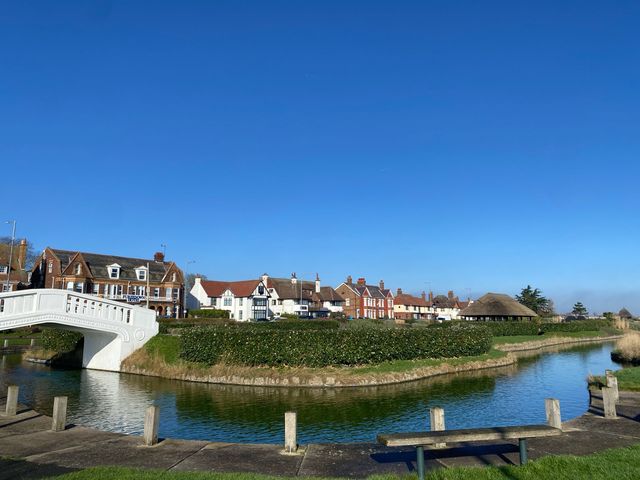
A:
279, 379
552, 342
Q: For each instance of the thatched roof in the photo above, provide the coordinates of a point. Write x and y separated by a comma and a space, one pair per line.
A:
624, 313
497, 305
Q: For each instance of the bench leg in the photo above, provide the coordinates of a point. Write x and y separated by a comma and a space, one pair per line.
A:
522, 443
420, 462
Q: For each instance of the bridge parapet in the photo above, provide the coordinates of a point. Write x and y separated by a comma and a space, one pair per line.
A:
111, 328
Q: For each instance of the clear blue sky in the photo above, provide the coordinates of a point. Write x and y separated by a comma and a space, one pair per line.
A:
462, 145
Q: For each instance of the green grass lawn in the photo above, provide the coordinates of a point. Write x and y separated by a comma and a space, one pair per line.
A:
165, 346
535, 338
614, 464
628, 379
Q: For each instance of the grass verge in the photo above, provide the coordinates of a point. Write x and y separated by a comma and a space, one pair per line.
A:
614, 464
628, 379
546, 336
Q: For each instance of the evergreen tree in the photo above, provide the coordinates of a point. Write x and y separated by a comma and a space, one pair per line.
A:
579, 310
532, 298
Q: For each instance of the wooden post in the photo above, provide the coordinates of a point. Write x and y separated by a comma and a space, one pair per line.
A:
59, 422
290, 432
151, 424
33, 343
6, 343
436, 415
12, 400
612, 382
552, 407
609, 400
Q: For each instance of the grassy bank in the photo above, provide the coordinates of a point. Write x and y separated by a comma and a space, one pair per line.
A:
546, 336
160, 357
611, 464
628, 379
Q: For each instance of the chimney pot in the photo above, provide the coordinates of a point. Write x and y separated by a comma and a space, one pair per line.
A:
362, 281
158, 257
349, 279
381, 284
431, 296
424, 296
399, 291
450, 294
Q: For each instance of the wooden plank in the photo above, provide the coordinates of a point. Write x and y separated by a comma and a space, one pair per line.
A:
467, 435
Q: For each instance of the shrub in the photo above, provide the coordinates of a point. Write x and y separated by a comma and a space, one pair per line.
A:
329, 347
209, 313
60, 341
506, 328
575, 326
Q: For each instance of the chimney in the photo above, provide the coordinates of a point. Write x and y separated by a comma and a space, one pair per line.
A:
349, 280
158, 257
399, 291
381, 284
431, 296
265, 279
424, 296
294, 279
450, 294
22, 254
197, 280
317, 283
362, 281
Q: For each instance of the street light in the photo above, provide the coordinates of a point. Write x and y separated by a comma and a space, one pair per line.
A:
186, 276
13, 237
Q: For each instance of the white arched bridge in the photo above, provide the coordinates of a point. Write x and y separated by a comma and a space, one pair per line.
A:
112, 330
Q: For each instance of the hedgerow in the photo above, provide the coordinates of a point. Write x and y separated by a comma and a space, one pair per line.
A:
209, 313
60, 341
329, 347
575, 326
506, 328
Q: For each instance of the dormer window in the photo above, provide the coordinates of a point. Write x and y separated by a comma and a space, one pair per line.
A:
78, 269
114, 271
141, 273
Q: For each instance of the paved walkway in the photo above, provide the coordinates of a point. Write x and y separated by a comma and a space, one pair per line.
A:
28, 450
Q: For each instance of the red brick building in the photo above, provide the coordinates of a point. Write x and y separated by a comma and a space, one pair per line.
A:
366, 301
132, 280
16, 273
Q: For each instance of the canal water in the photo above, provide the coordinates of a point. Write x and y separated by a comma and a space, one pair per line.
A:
503, 396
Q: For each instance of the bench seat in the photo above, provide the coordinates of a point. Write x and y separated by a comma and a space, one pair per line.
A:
420, 439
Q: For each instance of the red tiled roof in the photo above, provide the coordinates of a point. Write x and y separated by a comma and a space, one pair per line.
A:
242, 288
404, 299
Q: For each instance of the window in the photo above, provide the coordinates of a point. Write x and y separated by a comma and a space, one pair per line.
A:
273, 302
156, 292
240, 301
79, 287
227, 301
141, 273
4, 269
114, 271
240, 315
347, 302
78, 270
6, 288
96, 289
168, 294
173, 277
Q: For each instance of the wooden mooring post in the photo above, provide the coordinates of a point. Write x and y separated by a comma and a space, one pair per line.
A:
436, 417
290, 432
151, 425
12, 400
59, 422
612, 382
552, 408
5, 344
609, 401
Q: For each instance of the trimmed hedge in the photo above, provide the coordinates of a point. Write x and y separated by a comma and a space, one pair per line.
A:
575, 326
499, 329
322, 348
209, 313
60, 341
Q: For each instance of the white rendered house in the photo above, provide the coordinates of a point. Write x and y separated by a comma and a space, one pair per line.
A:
245, 300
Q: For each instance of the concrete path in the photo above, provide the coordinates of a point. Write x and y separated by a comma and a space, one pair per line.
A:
28, 450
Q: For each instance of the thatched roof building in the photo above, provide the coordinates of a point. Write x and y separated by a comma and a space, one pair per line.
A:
497, 306
625, 314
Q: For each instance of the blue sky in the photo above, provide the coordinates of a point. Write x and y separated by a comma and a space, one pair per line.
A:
473, 146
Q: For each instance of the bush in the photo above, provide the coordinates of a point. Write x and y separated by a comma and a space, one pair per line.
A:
60, 341
292, 325
575, 326
329, 347
167, 324
507, 328
209, 313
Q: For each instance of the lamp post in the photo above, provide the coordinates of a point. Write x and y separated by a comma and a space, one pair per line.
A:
186, 275
13, 237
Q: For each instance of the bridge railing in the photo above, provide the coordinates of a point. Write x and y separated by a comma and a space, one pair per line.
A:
69, 302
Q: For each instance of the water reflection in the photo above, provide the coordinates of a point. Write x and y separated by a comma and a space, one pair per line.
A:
506, 395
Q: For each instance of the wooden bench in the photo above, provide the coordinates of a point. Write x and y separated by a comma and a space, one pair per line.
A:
420, 439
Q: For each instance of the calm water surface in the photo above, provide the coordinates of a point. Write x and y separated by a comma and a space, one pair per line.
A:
505, 396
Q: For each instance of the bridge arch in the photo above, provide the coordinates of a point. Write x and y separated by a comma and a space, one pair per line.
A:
112, 330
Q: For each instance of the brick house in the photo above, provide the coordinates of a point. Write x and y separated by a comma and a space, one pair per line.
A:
18, 276
366, 301
138, 281
410, 307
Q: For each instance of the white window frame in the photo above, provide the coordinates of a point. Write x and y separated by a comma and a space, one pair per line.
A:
110, 271
4, 269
